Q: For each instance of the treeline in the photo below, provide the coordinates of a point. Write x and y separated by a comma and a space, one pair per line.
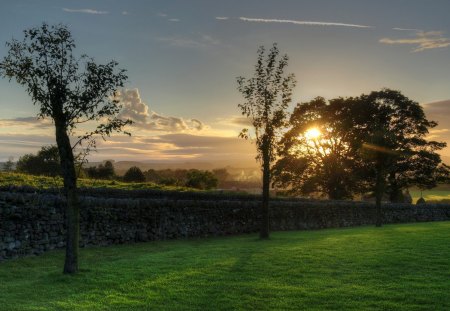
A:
46, 162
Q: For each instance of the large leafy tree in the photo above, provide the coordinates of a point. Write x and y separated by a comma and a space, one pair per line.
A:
393, 129
267, 95
318, 156
375, 142
71, 92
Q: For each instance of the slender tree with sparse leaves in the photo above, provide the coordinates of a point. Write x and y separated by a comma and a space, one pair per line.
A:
267, 95
71, 91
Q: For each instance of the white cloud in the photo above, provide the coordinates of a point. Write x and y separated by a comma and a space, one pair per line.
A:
162, 15
200, 41
422, 40
125, 13
173, 20
235, 121
222, 18
138, 111
405, 29
296, 22
86, 11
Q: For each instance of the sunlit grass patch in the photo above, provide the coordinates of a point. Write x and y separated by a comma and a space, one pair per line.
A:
396, 267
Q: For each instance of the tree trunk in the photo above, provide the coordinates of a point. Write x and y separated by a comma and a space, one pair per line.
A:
70, 189
265, 226
379, 191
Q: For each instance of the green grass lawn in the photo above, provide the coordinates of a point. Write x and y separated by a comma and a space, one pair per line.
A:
396, 267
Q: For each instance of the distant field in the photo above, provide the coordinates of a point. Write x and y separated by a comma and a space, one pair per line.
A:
396, 267
42, 182
440, 193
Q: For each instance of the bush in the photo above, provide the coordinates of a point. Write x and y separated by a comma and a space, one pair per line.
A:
45, 162
103, 171
421, 200
134, 174
204, 180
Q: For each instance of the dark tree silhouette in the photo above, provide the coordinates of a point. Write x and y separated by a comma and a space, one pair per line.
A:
102, 171
45, 162
45, 64
323, 165
373, 142
204, 180
134, 174
267, 95
392, 129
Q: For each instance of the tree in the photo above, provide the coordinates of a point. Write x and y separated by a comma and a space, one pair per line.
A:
222, 176
204, 180
392, 130
362, 139
70, 94
102, 171
134, 174
46, 162
317, 156
8, 166
267, 95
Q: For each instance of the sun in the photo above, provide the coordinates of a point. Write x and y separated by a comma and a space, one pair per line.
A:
312, 133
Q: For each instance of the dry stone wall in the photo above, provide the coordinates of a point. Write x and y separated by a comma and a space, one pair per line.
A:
31, 223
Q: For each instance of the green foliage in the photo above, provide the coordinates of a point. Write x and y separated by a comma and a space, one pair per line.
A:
134, 174
371, 142
338, 269
70, 91
203, 180
192, 178
44, 182
46, 162
322, 165
102, 171
267, 95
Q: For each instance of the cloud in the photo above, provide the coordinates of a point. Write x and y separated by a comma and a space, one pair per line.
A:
438, 133
178, 147
168, 18
32, 122
422, 40
125, 13
296, 22
405, 29
222, 18
207, 147
440, 112
85, 11
16, 144
200, 41
138, 111
239, 121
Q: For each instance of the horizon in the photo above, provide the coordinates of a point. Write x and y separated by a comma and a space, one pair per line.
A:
183, 57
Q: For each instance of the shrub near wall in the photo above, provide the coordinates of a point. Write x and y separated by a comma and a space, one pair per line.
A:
34, 223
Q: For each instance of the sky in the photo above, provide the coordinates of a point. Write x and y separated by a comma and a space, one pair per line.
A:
183, 56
